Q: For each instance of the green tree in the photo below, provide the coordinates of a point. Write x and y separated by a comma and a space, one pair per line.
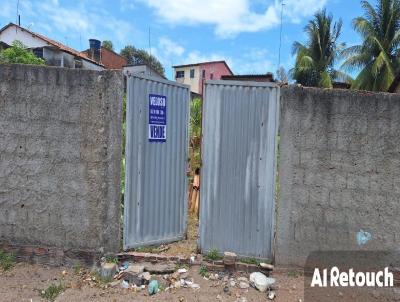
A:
139, 56
107, 44
315, 60
377, 58
19, 54
195, 132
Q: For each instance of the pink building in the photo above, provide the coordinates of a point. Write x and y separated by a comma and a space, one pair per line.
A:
195, 74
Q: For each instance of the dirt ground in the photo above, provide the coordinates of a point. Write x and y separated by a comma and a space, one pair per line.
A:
25, 282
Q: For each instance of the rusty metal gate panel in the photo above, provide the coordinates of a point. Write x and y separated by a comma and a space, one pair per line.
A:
155, 207
238, 167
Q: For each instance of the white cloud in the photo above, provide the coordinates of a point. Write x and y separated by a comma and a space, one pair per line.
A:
127, 5
169, 47
231, 17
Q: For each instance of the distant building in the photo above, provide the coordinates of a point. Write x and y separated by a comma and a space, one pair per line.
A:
100, 54
268, 77
54, 53
196, 74
141, 69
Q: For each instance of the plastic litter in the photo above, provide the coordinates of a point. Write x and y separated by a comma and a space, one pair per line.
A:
153, 287
124, 284
363, 237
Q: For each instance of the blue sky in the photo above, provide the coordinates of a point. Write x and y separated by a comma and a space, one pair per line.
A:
243, 32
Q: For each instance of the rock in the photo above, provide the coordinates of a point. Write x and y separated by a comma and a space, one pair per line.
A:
229, 258
260, 281
271, 295
244, 285
243, 279
132, 278
232, 283
226, 290
241, 299
182, 270
184, 276
267, 266
146, 276
108, 270
135, 268
219, 298
160, 268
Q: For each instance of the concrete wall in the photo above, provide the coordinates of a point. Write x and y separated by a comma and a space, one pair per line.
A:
60, 152
339, 172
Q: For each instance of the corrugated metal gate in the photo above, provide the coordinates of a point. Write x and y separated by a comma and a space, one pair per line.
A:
156, 158
238, 167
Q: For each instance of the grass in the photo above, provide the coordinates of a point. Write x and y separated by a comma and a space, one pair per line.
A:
52, 292
292, 274
213, 255
99, 279
203, 271
77, 269
111, 259
250, 261
7, 260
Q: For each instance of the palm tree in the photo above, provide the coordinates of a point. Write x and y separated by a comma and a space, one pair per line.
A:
378, 55
315, 60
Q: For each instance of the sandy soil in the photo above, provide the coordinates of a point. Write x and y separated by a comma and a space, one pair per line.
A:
24, 282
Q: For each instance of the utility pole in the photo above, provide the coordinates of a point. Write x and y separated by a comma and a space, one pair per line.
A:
280, 36
150, 50
18, 16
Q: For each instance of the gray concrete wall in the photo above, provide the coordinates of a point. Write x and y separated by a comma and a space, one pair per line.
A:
60, 152
339, 172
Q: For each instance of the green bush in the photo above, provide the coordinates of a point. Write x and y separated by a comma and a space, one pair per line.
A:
19, 54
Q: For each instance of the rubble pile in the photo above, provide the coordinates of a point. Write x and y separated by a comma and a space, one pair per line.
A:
156, 277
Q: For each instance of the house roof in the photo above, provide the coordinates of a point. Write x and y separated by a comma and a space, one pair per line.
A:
54, 43
263, 76
394, 84
204, 63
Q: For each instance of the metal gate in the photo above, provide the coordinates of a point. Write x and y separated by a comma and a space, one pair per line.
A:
238, 167
155, 204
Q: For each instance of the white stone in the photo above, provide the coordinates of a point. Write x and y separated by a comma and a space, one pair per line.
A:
260, 281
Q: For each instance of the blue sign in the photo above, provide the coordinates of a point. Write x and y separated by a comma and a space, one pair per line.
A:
157, 118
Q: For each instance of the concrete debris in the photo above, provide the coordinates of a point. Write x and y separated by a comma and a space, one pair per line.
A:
132, 278
267, 266
243, 279
271, 295
108, 270
229, 258
135, 268
146, 276
244, 285
160, 268
260, 281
